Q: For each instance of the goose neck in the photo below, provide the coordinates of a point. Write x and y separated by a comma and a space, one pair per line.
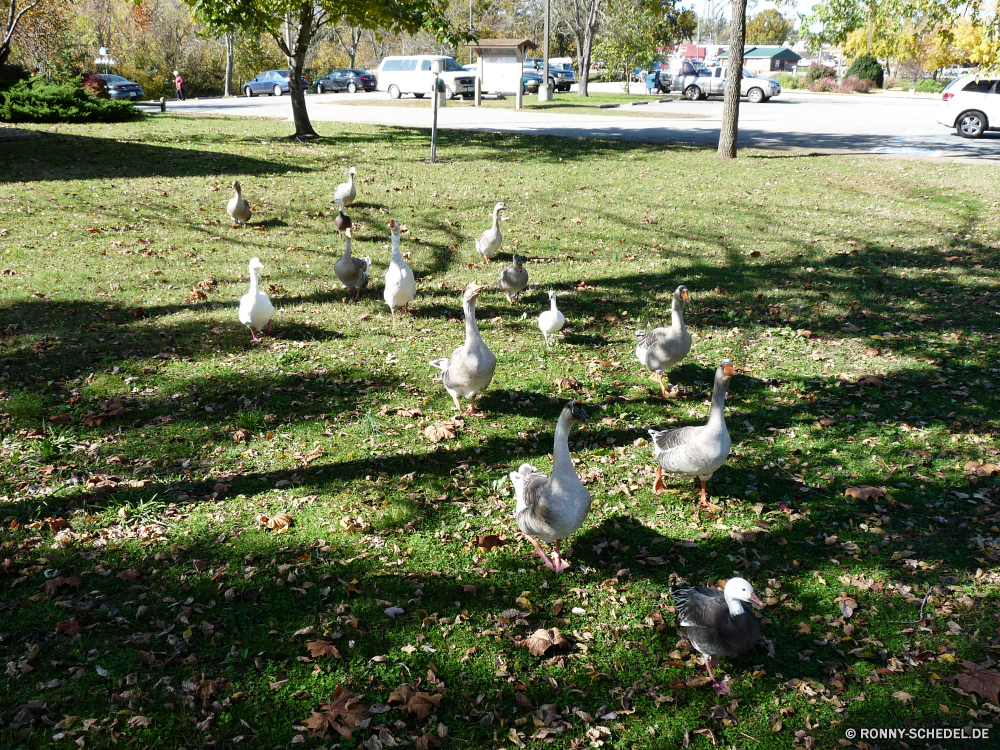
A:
717, 417
253, 281
347, 247
496, 218
677, 314
553, 308
561, 460
396, 255
471, 328
735, 606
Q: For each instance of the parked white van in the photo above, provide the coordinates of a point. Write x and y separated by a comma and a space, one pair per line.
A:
411, 74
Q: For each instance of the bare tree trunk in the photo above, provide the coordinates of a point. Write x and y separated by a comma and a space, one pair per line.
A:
296, 54
729, 131
14, 16
350, 46
230, 38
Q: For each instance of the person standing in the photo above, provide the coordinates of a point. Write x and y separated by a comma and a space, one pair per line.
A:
179, 85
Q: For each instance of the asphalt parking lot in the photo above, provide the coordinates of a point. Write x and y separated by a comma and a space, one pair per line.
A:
797, 122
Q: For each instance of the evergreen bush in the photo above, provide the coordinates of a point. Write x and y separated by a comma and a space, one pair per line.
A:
868, 67
40, 101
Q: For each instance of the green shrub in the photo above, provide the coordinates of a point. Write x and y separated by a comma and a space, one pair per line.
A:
39, 101
790, 82
869, 68
930, 86
817, 71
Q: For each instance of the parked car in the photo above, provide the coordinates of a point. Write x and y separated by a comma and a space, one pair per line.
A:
411, 74
346, 80
530, 81
272, 82
971, 105
561, 76
712, 82
121, 88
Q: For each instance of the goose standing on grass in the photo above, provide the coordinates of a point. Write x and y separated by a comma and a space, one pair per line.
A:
345, 191
489, 242
400, 284
238, 207
552, 508
696, 451
662, 348
352, 272
256, 309
341, 222
551, 321
514, 279
716, 622
469, 370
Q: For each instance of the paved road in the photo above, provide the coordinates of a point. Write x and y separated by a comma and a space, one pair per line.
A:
796, 121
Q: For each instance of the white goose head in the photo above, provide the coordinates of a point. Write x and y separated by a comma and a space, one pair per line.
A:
255, 265
472, 291
739, 590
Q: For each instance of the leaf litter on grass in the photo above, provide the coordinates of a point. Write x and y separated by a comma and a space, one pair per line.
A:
155, 482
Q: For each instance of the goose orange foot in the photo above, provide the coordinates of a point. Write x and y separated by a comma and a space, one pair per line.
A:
659, 486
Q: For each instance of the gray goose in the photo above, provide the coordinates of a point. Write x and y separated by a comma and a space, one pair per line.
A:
514, 279
238, 207
346, 191
696, 451
489, 242
553, 507
716, 623
352, 272
662, 348
341, 222
469, 370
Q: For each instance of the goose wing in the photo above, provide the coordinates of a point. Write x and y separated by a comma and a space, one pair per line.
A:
698, 606
532, 514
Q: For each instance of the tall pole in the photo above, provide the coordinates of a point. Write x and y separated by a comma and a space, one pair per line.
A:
545, 59
470, 30
436, 67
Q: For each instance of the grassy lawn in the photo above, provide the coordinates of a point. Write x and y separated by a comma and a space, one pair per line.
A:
143, 601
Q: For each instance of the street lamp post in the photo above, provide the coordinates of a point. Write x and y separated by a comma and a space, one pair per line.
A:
436, 70
104, 58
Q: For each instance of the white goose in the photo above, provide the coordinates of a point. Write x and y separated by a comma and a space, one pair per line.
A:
238, 207
716, 622
551, 321
489, 242
346, 191
662, 348
697, 451
400, 284
469, 370
256, 309
352, 272
552, 508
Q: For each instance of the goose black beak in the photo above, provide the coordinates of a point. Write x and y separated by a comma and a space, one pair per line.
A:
577, 411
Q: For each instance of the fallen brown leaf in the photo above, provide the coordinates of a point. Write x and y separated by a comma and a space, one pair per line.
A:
866, 492
542, 641
486, 542
439, 431
408, 699
983, 682
279, 522
426, 742
241, 436
902, 696
322, 648
343, 712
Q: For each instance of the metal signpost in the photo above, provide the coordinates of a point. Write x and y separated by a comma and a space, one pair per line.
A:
436, 70
544, 90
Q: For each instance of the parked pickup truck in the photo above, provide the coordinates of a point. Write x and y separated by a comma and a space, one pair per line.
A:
708, 82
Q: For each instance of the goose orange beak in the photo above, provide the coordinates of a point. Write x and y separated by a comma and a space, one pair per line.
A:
756, 600
686, 295
730, 370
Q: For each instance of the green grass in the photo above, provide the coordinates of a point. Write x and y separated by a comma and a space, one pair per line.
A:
810, 272
561, 104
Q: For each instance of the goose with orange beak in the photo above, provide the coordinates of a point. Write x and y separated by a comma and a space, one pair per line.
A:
697, 451
662, 348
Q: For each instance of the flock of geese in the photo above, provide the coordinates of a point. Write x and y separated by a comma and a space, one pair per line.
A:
551, 508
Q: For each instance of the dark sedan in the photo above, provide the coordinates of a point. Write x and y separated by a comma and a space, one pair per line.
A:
273, 82
121, 88
530, 82
346, 80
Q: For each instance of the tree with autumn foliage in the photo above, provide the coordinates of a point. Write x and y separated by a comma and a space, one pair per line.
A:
16, 10
293, 24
